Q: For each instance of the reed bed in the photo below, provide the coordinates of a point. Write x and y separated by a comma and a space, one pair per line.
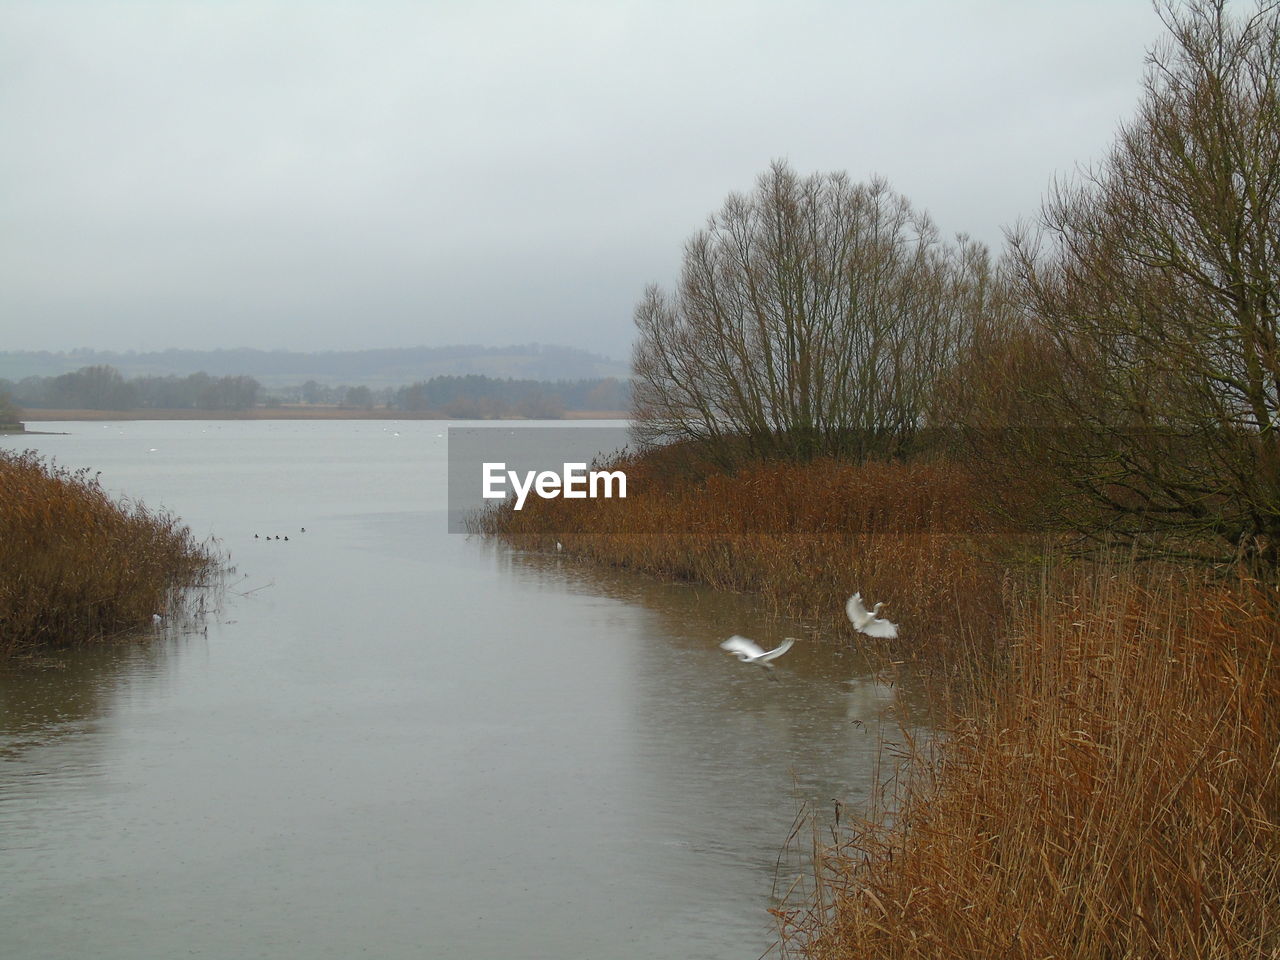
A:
1117, 794
1106, 783
803, 537
76, 566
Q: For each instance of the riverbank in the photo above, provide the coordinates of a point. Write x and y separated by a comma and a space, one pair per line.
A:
299, 412
804, 537
1112, 792
77, 567
1105, 784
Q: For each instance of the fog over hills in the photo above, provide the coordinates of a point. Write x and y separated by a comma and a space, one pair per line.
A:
382, 367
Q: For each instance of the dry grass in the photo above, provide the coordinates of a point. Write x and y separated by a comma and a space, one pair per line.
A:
1109, 785
1117, 793
77, 566
803, 537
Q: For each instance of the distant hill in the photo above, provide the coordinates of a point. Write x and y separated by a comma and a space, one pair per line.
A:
372, 368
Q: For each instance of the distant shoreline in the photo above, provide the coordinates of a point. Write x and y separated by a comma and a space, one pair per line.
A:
309, 412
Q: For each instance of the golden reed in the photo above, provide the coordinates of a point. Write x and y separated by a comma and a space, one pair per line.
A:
1107, 782
1116, 792
76, 566
803, 537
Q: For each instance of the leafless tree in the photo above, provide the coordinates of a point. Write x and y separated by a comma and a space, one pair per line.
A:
811, 318
1153, 286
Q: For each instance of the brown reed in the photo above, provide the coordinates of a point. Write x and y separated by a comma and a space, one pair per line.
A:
77, 566
803, 537
1107, 785
1115, 794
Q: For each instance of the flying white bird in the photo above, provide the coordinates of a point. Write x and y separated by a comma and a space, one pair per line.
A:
748, 651
869, 622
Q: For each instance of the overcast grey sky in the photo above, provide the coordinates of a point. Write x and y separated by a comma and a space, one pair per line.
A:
334, 175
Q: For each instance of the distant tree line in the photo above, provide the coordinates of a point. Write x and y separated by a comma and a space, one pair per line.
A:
9, 415
275, 367
103, 388
476, 396
467, 397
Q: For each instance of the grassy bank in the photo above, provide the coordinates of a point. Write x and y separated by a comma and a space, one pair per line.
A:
1115, 794
1112, 788
804, 537
76, 566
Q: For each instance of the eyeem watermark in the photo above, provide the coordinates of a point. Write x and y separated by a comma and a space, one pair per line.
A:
575, 482
521, 463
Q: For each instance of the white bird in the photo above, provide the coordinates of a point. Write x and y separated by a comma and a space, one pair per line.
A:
748, 651
870, 622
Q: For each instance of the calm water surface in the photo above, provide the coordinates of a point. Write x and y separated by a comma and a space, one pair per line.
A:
389, 741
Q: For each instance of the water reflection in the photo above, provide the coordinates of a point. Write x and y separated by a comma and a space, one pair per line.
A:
815, 731
52, 696
402, 743
57, 721
695, 618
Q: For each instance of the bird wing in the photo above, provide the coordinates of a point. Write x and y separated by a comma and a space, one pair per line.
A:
858, 614
777, 651
880, 628
744, 648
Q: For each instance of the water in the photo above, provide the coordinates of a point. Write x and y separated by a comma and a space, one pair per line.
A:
389, 741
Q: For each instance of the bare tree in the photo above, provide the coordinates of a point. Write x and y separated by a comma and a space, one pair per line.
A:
1154, 287
811, 318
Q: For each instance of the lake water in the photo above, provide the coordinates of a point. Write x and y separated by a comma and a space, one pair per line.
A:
390, 741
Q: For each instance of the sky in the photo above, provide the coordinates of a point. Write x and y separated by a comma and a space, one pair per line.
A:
332, 175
